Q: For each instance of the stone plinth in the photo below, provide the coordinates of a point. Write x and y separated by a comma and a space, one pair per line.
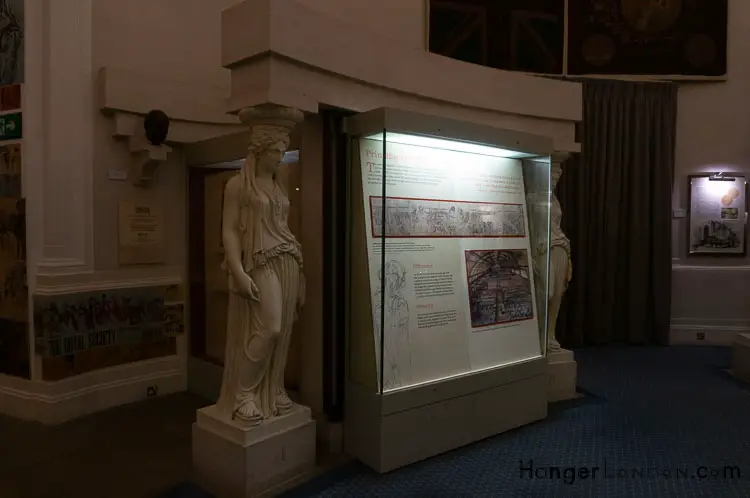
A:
562, 369
231, 461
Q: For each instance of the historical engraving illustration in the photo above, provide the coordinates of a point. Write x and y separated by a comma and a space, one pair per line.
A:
717, 215
10, 170
499, 286
391, 317
11, 41
405, 217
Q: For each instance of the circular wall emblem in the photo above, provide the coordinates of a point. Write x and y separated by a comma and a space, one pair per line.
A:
598, 50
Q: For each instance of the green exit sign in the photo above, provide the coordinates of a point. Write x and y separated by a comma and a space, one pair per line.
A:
10, 126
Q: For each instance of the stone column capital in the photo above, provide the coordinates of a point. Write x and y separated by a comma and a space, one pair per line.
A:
271, 115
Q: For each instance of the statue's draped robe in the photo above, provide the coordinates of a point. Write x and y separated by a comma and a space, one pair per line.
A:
269, 251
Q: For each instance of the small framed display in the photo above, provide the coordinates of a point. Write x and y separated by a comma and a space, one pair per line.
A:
717, 215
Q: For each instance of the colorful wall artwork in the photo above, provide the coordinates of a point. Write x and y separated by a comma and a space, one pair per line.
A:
11, 162
78, 333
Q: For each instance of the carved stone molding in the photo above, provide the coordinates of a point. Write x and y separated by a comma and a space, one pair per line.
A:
145, 159
557, 160
272, 115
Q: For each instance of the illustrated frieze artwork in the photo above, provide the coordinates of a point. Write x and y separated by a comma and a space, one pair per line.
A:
66, 325
11, 163
405, 217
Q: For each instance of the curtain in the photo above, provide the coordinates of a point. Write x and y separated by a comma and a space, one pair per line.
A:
616, 203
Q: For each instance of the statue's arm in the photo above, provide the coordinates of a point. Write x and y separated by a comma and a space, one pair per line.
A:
230, 232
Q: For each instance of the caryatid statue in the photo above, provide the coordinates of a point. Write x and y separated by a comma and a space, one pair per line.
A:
263, 260
560, 263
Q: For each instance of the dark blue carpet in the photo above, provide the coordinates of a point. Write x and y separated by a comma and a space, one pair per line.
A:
654, 416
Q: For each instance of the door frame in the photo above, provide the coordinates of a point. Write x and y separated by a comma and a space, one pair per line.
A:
202, 159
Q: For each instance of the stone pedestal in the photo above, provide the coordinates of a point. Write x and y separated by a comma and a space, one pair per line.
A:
562, 369
231, 461
741, 357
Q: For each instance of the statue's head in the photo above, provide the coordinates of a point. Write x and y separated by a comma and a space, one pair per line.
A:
270, 129
555, 175
268, 143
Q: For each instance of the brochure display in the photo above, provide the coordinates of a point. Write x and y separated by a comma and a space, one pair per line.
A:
449, 239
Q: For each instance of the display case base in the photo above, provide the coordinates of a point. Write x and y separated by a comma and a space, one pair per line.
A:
231, 461
562, 369
741, 357
395, 429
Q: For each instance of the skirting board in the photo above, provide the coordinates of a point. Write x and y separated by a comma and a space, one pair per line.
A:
686, 331
57, 402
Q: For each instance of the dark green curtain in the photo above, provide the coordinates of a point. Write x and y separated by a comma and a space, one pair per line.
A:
616, 198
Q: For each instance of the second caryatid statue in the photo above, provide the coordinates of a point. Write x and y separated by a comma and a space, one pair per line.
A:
263, 260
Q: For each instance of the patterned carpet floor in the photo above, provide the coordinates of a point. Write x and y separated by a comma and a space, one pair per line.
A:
665, 422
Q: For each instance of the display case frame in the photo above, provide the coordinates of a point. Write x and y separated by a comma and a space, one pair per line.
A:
737, 202
388, 429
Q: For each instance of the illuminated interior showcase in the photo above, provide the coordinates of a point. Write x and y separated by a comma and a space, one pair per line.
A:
448, 259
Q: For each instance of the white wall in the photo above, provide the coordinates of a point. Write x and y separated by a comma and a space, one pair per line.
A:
713, 134
69, 149
399, 20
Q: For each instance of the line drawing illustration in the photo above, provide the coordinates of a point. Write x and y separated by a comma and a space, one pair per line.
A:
499, 286
393, 313
407, 217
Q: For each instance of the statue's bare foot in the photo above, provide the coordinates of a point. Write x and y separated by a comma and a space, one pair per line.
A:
248, 413
283, 403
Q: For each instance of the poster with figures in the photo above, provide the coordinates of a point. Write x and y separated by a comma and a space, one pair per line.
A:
10, 170
448, 251
717, 215
76, 333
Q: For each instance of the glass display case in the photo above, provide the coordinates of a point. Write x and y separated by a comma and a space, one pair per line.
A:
448, 262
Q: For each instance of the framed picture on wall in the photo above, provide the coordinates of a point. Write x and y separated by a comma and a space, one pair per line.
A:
717, 214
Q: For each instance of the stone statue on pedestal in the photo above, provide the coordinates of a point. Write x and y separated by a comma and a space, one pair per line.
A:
264, 265
560, 265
